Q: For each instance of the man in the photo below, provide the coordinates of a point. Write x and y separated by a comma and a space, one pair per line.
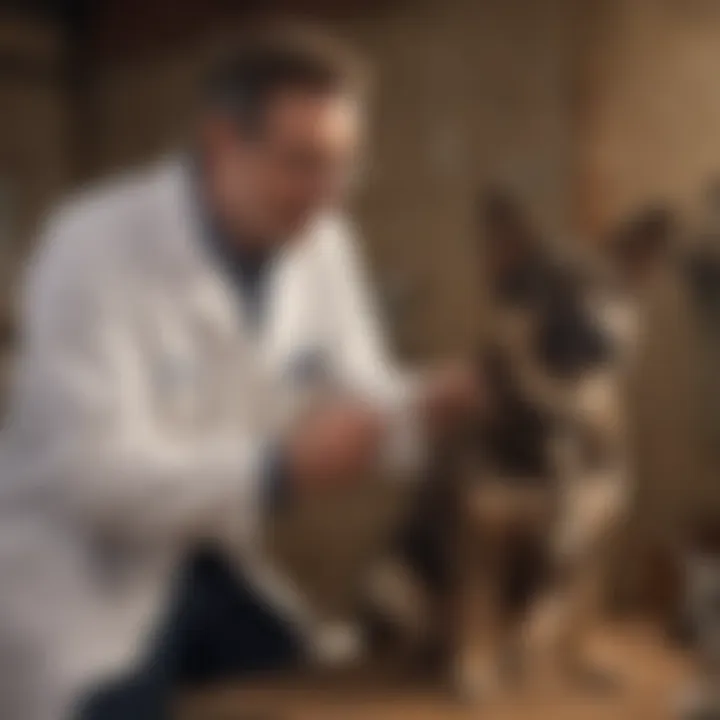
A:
171, 326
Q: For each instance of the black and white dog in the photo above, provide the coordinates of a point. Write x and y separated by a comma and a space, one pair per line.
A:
502, 558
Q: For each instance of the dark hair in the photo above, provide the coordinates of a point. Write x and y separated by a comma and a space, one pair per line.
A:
275, 59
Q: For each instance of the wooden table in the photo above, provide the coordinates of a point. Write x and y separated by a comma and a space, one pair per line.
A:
654, 673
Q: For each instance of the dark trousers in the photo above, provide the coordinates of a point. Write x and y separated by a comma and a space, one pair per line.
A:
216, 630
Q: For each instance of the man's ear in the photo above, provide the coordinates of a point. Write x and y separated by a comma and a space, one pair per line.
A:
641, 242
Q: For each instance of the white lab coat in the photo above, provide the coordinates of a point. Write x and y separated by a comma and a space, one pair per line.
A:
140, 418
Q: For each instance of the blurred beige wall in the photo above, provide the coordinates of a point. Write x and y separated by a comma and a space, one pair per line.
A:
653, 130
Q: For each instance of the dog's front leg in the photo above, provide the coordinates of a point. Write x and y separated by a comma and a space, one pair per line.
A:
395, 593
478, 633
558, 627
480, 628
562, 620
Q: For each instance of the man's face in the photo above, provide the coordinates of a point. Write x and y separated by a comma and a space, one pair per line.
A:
299, 162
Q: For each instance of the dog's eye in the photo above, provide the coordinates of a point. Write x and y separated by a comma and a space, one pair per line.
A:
522, 286
569, 342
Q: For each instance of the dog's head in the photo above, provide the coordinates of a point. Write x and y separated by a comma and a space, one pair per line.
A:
548, 301
545, 318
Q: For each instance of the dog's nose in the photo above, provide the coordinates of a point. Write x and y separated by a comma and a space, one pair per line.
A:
569, 343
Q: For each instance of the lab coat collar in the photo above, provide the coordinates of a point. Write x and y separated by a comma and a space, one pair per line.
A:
192, 262
187, 255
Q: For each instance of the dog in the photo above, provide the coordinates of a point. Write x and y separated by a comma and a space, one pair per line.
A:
498, 568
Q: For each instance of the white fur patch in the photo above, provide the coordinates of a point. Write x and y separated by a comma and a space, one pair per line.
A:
338, 645
394, 593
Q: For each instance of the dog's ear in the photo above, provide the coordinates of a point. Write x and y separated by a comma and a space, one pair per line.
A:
641, 242
701, 270
506, 236
700, 260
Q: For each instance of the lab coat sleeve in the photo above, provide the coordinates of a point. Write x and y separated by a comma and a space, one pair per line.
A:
363, 359
82, 397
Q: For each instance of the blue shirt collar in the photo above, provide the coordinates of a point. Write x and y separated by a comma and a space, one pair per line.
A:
246, 267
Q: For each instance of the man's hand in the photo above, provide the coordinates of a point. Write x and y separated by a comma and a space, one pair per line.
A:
452, 393
333, 445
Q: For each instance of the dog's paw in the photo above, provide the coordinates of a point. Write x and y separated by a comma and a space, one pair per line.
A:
393, 593
593, 679
476, 681
339, 645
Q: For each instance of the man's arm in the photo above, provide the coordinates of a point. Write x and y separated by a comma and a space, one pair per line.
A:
416, 407
82, 400
361, 356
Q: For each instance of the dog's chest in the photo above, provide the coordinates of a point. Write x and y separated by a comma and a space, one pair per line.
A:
517, 443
